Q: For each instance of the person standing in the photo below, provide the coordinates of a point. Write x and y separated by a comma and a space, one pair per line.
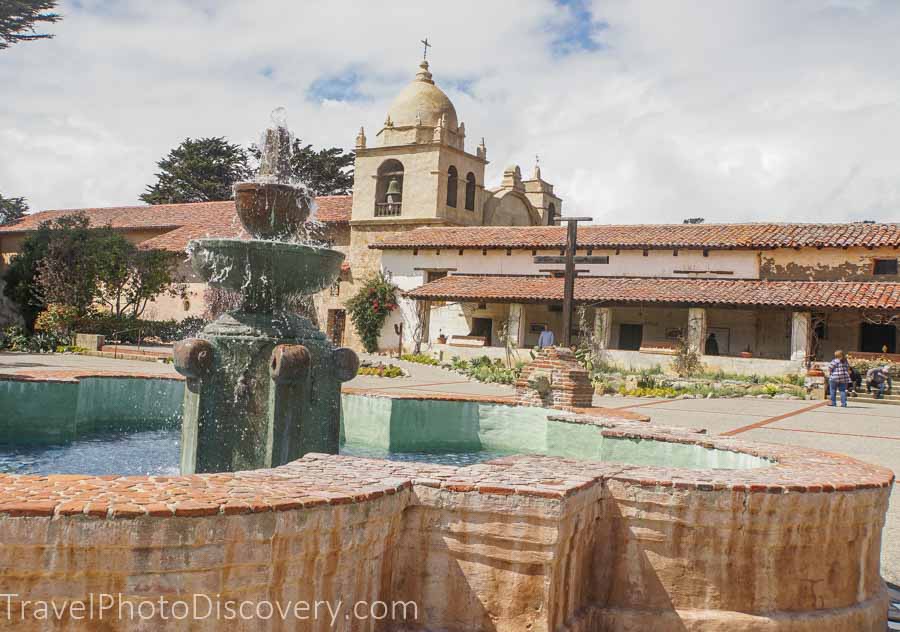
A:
712, 345
546, 339
838, 378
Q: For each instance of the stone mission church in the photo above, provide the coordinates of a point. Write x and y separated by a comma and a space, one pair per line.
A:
419, 173
772, 296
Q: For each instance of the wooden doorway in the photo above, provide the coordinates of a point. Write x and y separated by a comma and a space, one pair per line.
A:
873, 338
337, 321
483, 327
630, 337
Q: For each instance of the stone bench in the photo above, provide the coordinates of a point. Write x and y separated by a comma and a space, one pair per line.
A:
91, 342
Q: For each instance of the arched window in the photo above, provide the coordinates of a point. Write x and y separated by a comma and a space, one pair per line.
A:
470, 191
551, 214
389, 189
452, 186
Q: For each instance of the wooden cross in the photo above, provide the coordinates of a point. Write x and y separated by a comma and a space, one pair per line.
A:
427, 46
570, 274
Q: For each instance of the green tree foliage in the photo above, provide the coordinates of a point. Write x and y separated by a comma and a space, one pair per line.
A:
324, 171
369, 308
66, 263
201, 170
66, 273
11, 209
127, 279
694, 220
19, 17
21, 275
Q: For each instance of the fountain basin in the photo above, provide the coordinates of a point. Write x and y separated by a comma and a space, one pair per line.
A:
74, 416
781, 539
271, 210
266, 273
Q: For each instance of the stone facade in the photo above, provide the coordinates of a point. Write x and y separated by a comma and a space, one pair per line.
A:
555, 379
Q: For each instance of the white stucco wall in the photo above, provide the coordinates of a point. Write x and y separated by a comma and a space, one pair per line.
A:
408, 271
628, 263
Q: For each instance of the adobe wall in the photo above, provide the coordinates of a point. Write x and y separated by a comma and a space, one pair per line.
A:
827, 264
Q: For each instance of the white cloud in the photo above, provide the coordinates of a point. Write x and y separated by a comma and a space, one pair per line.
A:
734, 110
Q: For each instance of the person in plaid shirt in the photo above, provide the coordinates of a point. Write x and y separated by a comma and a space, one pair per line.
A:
838, 378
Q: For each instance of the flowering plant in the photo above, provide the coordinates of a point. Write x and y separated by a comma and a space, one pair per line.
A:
369, 308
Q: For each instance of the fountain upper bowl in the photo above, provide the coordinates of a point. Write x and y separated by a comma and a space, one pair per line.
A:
267, 270
271, 210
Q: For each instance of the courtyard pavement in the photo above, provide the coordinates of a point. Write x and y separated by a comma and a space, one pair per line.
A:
870, 432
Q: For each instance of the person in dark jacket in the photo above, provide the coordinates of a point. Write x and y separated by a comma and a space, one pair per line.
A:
855, 380
712, 345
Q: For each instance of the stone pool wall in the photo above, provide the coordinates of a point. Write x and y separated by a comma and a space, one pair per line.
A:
521, 543
57, 410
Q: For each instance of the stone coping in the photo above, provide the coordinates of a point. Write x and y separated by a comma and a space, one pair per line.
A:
594, 412
75, 375
319, 479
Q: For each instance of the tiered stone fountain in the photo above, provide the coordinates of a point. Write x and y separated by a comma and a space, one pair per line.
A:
263, 384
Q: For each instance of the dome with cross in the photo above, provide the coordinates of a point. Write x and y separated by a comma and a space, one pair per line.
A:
423, 103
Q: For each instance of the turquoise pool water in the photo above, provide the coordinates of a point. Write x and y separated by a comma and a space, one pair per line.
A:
156, 453
399, 426
131, 426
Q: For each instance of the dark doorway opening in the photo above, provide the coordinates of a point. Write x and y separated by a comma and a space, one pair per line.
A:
337, 319
483, 327
630, 337
873, 338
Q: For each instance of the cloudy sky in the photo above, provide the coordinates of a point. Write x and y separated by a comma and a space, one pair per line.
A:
641, 111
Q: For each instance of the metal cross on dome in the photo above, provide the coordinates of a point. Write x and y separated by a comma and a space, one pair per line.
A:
427, 46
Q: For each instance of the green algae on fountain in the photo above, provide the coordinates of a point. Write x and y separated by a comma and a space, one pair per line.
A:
263, 384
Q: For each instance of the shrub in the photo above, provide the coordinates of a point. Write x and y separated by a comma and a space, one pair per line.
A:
863, 366
369, 308
420, 358
17, 339
647, 379
56, 319
483, 369
687, 361
380, 370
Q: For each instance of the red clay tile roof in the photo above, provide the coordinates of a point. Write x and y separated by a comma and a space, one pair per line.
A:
716, 236
334, 209
622, 290
182, 222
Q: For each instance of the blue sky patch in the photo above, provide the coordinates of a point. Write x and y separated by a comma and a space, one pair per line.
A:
342, 86
579, 31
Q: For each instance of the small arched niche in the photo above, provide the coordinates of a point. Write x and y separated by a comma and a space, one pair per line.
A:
452, 186
389, 189
470, 191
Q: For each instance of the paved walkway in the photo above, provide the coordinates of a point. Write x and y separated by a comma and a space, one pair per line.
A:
870, 432
424, 379
28, 362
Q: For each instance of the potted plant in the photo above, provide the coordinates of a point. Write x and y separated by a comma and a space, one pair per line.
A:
442, 339
746, 353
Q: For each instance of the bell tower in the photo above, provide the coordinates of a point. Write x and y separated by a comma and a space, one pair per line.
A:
540, 193
418, 172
